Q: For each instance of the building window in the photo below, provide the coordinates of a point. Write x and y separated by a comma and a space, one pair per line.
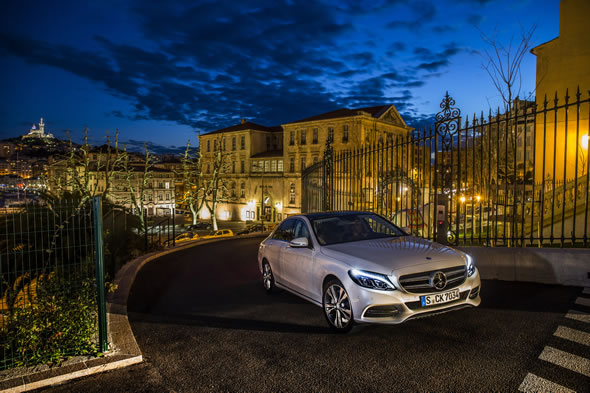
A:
331, 134
233, 143
292, 164
315, 136
303, 137
345, 134
268, 143
302, 163
209, 145
275, 146
242, 142
266, 166
254, 166
208, 168
242, 190
233, 167
167, 196
273, 166
292, 193
233, 189
242, 166
167, 185
291, 138
223, 144
215, 145
315, 159
280, 165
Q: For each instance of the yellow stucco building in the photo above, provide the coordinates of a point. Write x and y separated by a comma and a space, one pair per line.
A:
265, 163
564, 64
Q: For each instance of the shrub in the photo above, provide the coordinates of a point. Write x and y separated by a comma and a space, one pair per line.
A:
59, 320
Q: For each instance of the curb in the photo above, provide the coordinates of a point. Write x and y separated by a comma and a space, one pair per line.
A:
120, 336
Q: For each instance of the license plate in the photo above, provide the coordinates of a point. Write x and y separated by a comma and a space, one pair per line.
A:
439, 298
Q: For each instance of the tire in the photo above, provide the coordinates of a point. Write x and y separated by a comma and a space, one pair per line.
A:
337, 307
268, 279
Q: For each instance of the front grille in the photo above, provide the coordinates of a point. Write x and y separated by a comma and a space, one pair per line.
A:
420, 282
417, 305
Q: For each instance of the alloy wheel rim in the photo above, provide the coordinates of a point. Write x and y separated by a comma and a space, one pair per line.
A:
337, 306
267, 276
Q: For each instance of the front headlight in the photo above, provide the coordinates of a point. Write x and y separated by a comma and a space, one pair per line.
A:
371, 280
470, 265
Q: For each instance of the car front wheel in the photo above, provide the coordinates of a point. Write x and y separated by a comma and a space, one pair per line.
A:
268, 279
337, 307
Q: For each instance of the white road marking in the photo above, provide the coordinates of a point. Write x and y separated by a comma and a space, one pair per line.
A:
566, 360
583, 301
578, 316
574, 335
534, 384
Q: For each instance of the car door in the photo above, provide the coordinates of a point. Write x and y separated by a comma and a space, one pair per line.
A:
297, 263
274, 245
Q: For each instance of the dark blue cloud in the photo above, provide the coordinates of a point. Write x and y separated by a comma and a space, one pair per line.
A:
208, 64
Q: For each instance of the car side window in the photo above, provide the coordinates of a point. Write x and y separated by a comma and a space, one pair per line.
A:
301, 230
285, 231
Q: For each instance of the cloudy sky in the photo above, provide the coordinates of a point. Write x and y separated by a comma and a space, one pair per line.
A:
163, 71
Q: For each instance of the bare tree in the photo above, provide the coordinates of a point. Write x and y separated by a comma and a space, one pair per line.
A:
195, 186
85, 171
138, 181
215, 180
503, 63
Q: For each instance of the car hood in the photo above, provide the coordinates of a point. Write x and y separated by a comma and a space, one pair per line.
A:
391, 255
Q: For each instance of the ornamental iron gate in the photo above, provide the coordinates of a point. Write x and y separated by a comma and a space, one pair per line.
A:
518, 178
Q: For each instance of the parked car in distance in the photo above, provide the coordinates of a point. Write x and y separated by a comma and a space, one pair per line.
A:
183, 237
218, 233
250, 229
361, 268
199, 225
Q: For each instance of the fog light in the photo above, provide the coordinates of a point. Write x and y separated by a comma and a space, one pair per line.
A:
474, 293
382, 311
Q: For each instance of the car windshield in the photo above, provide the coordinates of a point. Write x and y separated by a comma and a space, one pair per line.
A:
352, 228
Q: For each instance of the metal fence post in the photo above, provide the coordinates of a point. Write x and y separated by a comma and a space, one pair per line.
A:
145, 231
102, 311
173, 226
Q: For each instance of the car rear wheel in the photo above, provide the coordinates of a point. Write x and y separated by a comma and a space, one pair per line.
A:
337, 307
268, 279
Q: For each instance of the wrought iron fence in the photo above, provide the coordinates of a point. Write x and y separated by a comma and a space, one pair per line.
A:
512, 178
51, 282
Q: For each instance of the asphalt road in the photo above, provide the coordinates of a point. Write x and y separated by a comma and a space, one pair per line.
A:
204, 323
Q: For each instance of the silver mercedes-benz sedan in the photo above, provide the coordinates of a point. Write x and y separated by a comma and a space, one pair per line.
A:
360, 268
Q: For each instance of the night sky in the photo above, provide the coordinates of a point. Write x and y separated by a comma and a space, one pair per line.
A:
162, 72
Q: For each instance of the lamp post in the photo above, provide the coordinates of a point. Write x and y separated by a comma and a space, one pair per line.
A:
261, 169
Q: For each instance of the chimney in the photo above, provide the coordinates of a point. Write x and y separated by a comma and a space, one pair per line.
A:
243, 121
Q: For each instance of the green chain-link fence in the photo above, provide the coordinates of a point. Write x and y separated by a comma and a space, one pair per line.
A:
51, 282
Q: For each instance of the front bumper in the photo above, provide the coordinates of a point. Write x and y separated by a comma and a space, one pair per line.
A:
392, 307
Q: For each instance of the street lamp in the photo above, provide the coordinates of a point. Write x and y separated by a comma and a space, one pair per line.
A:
583, 148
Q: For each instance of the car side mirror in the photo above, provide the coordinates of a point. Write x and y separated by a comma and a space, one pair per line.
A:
300, 242
407, 230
